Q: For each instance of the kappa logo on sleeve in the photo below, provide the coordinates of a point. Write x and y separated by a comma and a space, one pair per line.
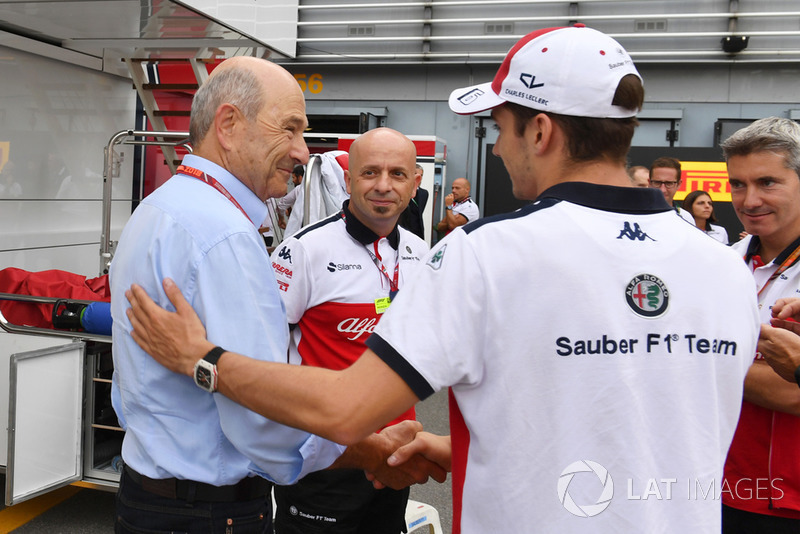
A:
285, 254
436, 260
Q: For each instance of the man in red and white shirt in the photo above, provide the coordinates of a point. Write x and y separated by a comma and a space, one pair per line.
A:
337, 277
762, 471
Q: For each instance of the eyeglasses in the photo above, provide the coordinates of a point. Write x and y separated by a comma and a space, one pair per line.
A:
659, 183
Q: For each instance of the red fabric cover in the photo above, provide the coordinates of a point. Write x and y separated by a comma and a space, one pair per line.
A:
53, 283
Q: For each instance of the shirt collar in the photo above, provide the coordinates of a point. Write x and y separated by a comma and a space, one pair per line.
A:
361, 233
755, 244
609, 198
253, 206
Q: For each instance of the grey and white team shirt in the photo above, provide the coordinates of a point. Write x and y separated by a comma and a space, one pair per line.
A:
596, 380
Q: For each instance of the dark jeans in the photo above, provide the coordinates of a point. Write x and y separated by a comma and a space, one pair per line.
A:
339, 501
736, 521
142, 512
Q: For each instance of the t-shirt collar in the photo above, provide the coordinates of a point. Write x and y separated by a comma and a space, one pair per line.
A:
755, 244
361, 233
609, 198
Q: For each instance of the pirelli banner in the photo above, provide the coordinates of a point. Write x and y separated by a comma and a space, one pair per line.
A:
701, 169
708, 176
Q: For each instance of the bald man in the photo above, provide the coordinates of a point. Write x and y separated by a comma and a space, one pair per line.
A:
337, 278
459, 207
195, 461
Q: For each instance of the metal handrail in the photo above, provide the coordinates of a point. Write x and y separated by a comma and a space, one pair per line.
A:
126, 137
22, 329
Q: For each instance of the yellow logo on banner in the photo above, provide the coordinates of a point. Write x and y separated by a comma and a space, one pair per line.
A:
5, 146
709, 176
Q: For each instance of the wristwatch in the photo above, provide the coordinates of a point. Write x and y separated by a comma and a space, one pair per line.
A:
449, 208
205, 370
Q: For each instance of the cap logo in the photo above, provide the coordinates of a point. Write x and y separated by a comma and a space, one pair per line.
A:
467, 98
528, 80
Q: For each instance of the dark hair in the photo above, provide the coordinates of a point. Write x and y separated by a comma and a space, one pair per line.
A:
591, 138
666, 163
689, 201
299, 170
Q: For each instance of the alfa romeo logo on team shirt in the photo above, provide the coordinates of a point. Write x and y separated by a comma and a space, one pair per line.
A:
647, 295
436, 260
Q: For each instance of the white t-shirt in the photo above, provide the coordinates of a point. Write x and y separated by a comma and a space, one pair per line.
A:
594, 373
719, 233
467, 208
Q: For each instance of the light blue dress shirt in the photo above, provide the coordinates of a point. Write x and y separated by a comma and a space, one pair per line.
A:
188, 231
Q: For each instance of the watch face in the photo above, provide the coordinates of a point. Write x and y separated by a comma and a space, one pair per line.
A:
203, 378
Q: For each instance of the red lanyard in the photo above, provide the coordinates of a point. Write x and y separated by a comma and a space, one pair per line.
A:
788, 262
210, 180
376, 257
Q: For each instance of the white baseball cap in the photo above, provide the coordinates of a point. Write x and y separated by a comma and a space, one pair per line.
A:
570, 71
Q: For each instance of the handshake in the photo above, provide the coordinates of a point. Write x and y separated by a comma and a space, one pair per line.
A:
399, 456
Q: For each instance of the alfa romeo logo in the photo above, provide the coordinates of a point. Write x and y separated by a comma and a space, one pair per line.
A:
647, 295
436, 260
585, 510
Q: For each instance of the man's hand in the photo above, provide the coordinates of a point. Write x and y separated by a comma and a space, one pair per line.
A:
786, 314
781, 347
176, 340
449, 199
425, 451
371, 455
418, 468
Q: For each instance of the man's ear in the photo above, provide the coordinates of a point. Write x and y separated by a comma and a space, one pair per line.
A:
227, 121
417, 182
347, 181
539, 132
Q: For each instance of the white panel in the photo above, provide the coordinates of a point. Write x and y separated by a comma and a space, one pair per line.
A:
272, 23
83, 260
45, 418
651, 133
55, 121
12, 344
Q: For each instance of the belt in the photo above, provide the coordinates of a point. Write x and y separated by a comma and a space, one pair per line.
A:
247, 489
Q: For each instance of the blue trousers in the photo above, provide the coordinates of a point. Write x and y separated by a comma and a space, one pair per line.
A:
142, 512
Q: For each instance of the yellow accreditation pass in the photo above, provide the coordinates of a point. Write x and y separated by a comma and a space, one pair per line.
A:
382, 304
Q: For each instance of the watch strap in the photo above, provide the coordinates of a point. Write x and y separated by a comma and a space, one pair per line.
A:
213, 355
797, 375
